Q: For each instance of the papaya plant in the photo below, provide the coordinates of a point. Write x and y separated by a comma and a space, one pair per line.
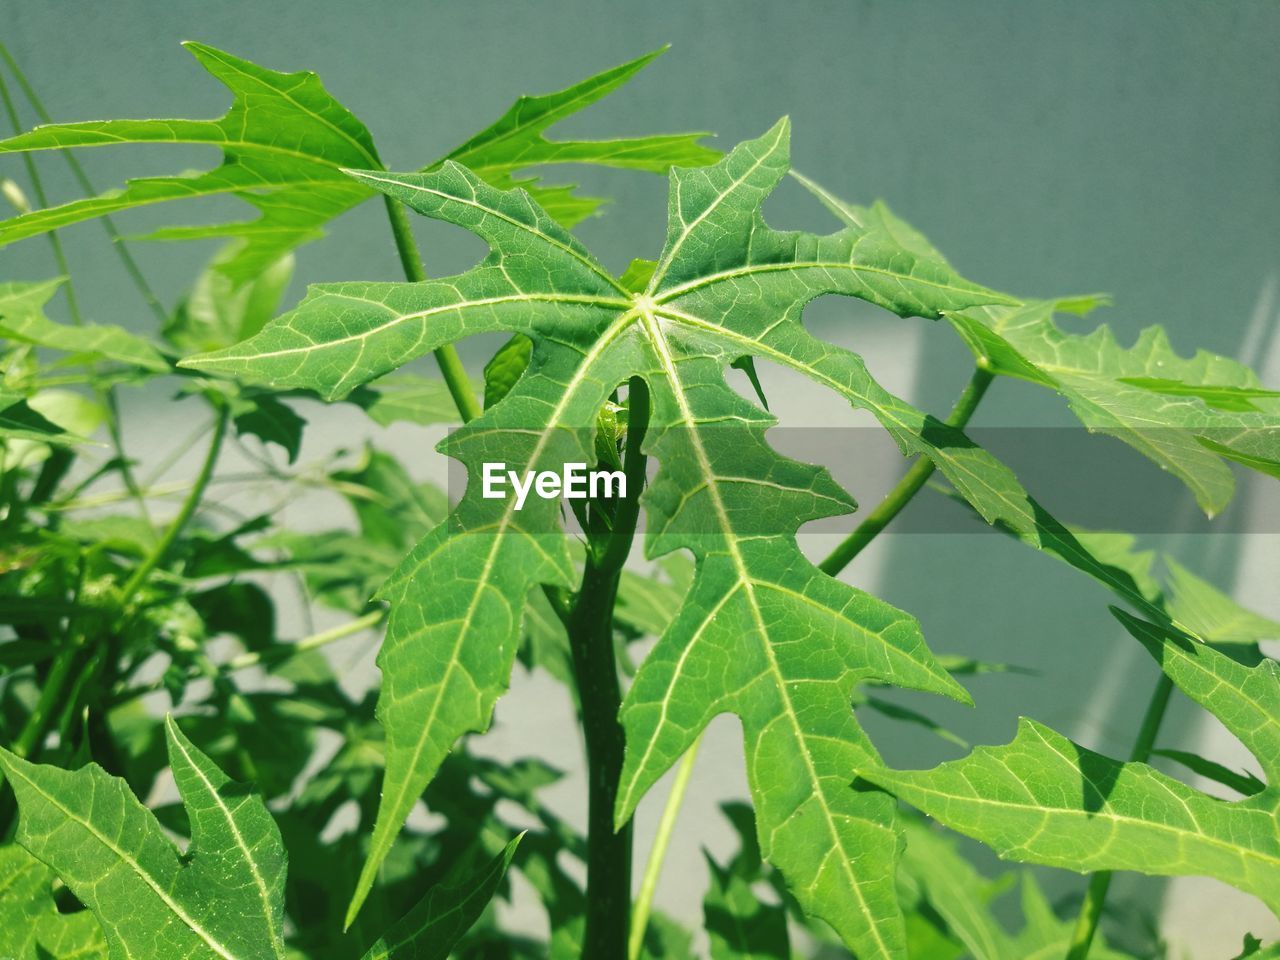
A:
184, 780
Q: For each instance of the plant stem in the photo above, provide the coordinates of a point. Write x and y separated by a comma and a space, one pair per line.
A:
270, 657
77, 171
50, 695
658, 852
313, 642
1096, 894
106, 396
910, 484
185, 512
455, 376
590, 628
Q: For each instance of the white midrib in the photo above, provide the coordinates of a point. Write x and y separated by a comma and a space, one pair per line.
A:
1044, 537
424, 314
660, 273
259, 880
606, 339
745, 581
815, 374
277, 91
563, 247
145, 877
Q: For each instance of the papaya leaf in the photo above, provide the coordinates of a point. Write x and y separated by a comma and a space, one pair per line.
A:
725, 286
1242, 782
408, 398
1211, 614
1254, 949
1043, 799
269, 419
515, 142
431, 929
219, 312
967, 902
18, 421
22, 320
285, 141
1184, 414
31, 927
1208, 408
739, 925
222, 899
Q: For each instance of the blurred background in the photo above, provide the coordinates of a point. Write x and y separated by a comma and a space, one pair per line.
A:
1046, 149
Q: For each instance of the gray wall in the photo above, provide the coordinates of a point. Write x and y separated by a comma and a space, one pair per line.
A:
1047, 148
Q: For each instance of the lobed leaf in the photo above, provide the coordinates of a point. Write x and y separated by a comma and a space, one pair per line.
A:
31, 926
1043, 799
966, 902
285, 141
725, 286
431, 929
22, 320
222, 899
1187, 415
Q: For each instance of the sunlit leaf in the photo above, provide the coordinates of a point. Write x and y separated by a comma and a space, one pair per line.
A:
457, 600
1043, 799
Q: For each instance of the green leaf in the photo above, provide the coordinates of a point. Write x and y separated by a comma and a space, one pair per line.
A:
222, 899
31, 927
406, 397
739, 925
390, 507
515, 142
270, 420
1243, 783
761, 632
637, 275
431, 929
1186, 429
22, 319
18, 421
219, 311
506, 367
1212, 615
1217, 396
1043, 799
967, 902
1253, 948
285, 141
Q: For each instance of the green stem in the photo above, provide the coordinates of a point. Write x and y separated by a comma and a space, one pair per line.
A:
77, 171
1095, 895
910, 484
185, 512
590, 628
106, 396
313, 642
48, 704
658, 852
455, 375
270, 657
